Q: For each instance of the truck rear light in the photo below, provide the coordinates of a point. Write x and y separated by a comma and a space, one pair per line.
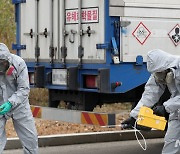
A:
31, 78
91, 81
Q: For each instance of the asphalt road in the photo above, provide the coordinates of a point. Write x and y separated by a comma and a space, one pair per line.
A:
121, 147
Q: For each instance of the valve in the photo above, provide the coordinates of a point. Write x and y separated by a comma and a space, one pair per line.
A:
89, 31
31, 33
45, 33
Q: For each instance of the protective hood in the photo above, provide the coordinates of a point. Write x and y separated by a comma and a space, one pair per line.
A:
4, 52
158, 61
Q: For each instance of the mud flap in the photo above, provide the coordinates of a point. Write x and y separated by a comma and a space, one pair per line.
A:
39, 76
104, 80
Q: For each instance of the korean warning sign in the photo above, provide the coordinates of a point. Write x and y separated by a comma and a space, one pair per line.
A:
174, 35
88, 15
141, 33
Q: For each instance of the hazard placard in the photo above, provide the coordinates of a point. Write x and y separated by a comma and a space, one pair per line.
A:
141, 33
174, 35
36, 111
101, 119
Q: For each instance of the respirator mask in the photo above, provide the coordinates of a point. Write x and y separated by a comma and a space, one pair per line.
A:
164, 77
4, 65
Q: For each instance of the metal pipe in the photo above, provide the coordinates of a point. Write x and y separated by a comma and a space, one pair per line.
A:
63, 21
37, 49
63, 47
80, 48
58, 28
52, 21
51, 48
18, 23
80, 22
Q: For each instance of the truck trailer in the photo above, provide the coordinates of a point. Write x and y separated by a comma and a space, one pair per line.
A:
89, 52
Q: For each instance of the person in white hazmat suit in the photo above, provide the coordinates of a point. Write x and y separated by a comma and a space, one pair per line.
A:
165, 71
14, 102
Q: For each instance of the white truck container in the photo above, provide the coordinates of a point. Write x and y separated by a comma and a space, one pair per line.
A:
87, 52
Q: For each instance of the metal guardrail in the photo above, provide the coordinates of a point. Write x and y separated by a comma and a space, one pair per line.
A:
74, 116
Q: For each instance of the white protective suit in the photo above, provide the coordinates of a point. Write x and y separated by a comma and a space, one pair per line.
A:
158, 61
14, 88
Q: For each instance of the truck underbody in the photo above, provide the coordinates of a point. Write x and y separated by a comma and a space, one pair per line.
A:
88, 100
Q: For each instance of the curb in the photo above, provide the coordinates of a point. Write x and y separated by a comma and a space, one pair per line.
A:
81, 138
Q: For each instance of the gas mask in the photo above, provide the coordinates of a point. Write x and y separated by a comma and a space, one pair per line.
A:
164, 77
4, 65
